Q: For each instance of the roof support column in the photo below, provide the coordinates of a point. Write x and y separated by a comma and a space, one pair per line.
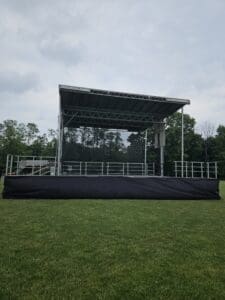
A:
161, 161
145, 153
182, 142
60, 142
162, 147
160, 142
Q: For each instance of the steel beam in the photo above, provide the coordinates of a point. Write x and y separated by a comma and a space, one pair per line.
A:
182, 142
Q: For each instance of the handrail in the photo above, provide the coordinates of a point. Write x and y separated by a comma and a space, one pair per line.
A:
198, 169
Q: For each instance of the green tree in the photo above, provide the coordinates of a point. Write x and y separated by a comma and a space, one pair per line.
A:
12, 140
31, 132
220, 143
193, 142
135, 149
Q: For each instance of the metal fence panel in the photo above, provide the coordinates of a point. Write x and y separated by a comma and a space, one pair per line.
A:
196, 169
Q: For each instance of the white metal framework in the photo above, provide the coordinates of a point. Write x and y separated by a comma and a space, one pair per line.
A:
17, 165
115, 110
83, 107
47, 166
199, 169
80, 168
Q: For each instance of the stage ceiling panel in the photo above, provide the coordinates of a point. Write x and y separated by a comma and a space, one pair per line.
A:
108, 109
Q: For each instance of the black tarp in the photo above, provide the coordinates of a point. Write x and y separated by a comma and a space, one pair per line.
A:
109, 187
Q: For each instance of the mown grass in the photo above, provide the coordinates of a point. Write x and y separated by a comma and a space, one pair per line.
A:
96, 249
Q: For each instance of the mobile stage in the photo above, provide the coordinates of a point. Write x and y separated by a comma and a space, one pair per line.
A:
83, 167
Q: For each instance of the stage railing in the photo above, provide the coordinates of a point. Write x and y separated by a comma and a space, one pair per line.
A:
17, 165
192, 169
81, 168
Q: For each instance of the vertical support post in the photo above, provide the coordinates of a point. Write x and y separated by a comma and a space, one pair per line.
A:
58, 146
175, 168
80, 167
186, 169
60, 142
7, 165
17, 165
202, 175
182, 142
55, 163
127, 169
32, 171
123, 169
162, 142
192, 169
161, 161
216, 170
11, 165
102, 168
208, 172
153, 169
40, 166
85, 171
107, 171
60, 139
146, 149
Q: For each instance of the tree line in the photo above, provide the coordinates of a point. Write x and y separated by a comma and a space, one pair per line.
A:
99, 144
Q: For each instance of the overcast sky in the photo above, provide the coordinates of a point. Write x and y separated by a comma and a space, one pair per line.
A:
159, 47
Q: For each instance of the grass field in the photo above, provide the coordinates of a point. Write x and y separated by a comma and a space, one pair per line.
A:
96, 249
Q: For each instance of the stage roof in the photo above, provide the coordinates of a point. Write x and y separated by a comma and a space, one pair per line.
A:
107, 109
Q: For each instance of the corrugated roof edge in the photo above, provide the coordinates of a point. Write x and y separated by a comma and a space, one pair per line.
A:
124, 94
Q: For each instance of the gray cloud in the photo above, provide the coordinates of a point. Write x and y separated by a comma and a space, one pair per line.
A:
173, 48
16, 83
66, 52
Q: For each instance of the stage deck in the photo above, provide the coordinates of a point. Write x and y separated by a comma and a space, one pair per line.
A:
109, 187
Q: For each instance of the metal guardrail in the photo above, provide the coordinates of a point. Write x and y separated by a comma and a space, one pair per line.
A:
30, 165
80, 168
196, 169
42, 165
